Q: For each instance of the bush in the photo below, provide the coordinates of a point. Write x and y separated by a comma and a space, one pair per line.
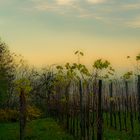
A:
33, 112
9, 115
12, 115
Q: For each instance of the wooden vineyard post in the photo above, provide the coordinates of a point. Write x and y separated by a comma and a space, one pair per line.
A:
131, 116
138, 85
114, 114
23, 87
81, 109
67, 106
99, 112
22, 114
88, 113
119, 114
126, 88
111, 104
93, 108
125, 114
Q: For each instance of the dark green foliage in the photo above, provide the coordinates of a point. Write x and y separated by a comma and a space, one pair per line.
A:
138, 57
7, 69
100, 64
9, 115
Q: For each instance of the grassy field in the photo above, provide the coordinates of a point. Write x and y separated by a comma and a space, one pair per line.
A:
110, 134
42, 129
48, 129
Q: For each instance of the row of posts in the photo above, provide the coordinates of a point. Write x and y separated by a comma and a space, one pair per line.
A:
99, 110
99, 107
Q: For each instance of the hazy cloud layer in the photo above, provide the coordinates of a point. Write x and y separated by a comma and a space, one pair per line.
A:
121, 12
96, 1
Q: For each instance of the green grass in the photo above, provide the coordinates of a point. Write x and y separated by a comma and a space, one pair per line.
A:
48, 129
116, 134
110, 134
42, 129
9, 131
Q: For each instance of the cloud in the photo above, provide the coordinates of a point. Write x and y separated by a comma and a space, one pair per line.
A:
96, 1
2, 22
5, 3
53, 5
64, 2
131, 6
133, 23
113, 13
46, 7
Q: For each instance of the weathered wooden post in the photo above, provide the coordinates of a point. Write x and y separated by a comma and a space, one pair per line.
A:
131, 116
111, 104
23, 87
23, 113
81, 110
93, 108
99, 112
126, 89
119, 113
138, 86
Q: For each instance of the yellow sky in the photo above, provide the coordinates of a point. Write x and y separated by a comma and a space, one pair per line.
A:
59, 50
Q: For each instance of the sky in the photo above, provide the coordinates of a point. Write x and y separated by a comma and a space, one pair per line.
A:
50, 31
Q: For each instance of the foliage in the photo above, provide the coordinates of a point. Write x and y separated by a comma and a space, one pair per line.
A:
73, 68
102, 69
8, 115
24, 84
136, 65
127, 75
7, 73
33, 112
101, 64
13, 115
79, 53
138, 57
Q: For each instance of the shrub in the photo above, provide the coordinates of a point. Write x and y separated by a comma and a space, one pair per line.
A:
33, 112
12, 115
9, 115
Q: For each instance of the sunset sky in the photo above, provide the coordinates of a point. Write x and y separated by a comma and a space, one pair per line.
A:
49, 31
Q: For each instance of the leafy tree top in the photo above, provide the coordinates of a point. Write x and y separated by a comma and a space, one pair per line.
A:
138, 57
101, 64
127, 75
103, 69
23, 84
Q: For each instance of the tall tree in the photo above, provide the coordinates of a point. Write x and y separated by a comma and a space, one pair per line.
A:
7, 73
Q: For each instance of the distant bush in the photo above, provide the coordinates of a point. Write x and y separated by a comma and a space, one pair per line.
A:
8, 115
12, 115
33, 112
